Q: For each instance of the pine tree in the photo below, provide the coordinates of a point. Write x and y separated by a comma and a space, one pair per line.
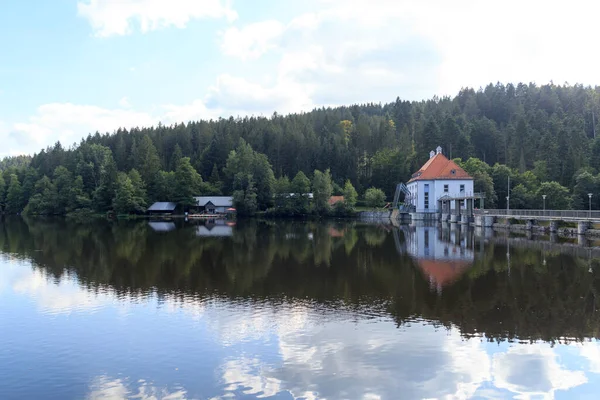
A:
175, 157
214, 178
187, 183
300, 187
2, 192
14, 196
350, 195
147, 161
322, 189
103, 196
123, 202
139, 190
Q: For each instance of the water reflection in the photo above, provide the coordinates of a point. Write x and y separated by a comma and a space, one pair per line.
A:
442, 254
292, 310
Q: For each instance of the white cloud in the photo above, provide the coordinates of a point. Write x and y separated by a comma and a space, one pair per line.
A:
69, 123
251, 41
109, 17
355, 51
124, 102
341, 52
239, 96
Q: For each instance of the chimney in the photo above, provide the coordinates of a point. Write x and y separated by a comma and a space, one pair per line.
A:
438, 150
431, 154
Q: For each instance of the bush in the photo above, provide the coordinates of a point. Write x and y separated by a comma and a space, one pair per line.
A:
375, 197
341, 209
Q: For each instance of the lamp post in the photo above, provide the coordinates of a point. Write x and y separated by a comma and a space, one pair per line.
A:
590, 198
544, 197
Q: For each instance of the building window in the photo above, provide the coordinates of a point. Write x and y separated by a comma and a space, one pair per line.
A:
462, 188
445, 188
427, 200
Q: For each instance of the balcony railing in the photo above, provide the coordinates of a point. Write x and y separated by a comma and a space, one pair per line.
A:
575, 214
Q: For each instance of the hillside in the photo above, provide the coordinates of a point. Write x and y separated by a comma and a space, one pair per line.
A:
534, 133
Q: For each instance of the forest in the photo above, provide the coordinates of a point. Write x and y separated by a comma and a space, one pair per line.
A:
543, 137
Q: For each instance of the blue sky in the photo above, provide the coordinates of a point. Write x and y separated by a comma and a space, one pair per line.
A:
70, 67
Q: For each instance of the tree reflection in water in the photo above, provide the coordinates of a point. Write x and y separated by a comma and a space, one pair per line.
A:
455, 279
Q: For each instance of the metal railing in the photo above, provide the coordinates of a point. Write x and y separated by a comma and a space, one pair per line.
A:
575, 214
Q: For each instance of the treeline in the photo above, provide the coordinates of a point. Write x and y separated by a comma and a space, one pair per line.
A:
544, 137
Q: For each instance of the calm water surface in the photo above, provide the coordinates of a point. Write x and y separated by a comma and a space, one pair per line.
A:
170, 310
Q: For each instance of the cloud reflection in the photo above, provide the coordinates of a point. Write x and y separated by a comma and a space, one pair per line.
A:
361, 359
533, 371
311, 351
106, 388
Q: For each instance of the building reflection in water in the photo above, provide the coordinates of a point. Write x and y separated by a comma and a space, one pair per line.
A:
215, 228
162, 226
443, 254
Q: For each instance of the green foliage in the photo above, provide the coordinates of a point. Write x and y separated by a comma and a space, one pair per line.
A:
389, 167
187, 183
522, 198
375, 197
123, 202
300, 187
139, 188
534, 134
14, 196
350, 195
215, 182
146, 160
164, 188
322, 189
282, 190
175, 157
244, 195
244, 160
558, 196
585, 182
104, 194
2, 191
482, 180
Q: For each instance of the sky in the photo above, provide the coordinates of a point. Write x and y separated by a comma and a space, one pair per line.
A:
73, 67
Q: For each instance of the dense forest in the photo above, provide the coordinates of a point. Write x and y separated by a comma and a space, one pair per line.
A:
543, 137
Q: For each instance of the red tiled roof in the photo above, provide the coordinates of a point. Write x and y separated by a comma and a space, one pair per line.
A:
335, 199
443, 272
335, 233
439, 167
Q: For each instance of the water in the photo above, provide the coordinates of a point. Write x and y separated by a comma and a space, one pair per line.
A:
171, 310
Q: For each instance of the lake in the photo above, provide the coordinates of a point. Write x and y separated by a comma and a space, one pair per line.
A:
293, 310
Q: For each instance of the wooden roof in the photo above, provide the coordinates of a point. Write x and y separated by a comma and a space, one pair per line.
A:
439, 167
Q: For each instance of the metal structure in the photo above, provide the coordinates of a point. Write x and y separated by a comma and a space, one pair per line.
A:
401, 188
444, 203
549, 214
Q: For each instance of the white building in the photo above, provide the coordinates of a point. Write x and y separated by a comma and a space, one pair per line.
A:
437, 178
